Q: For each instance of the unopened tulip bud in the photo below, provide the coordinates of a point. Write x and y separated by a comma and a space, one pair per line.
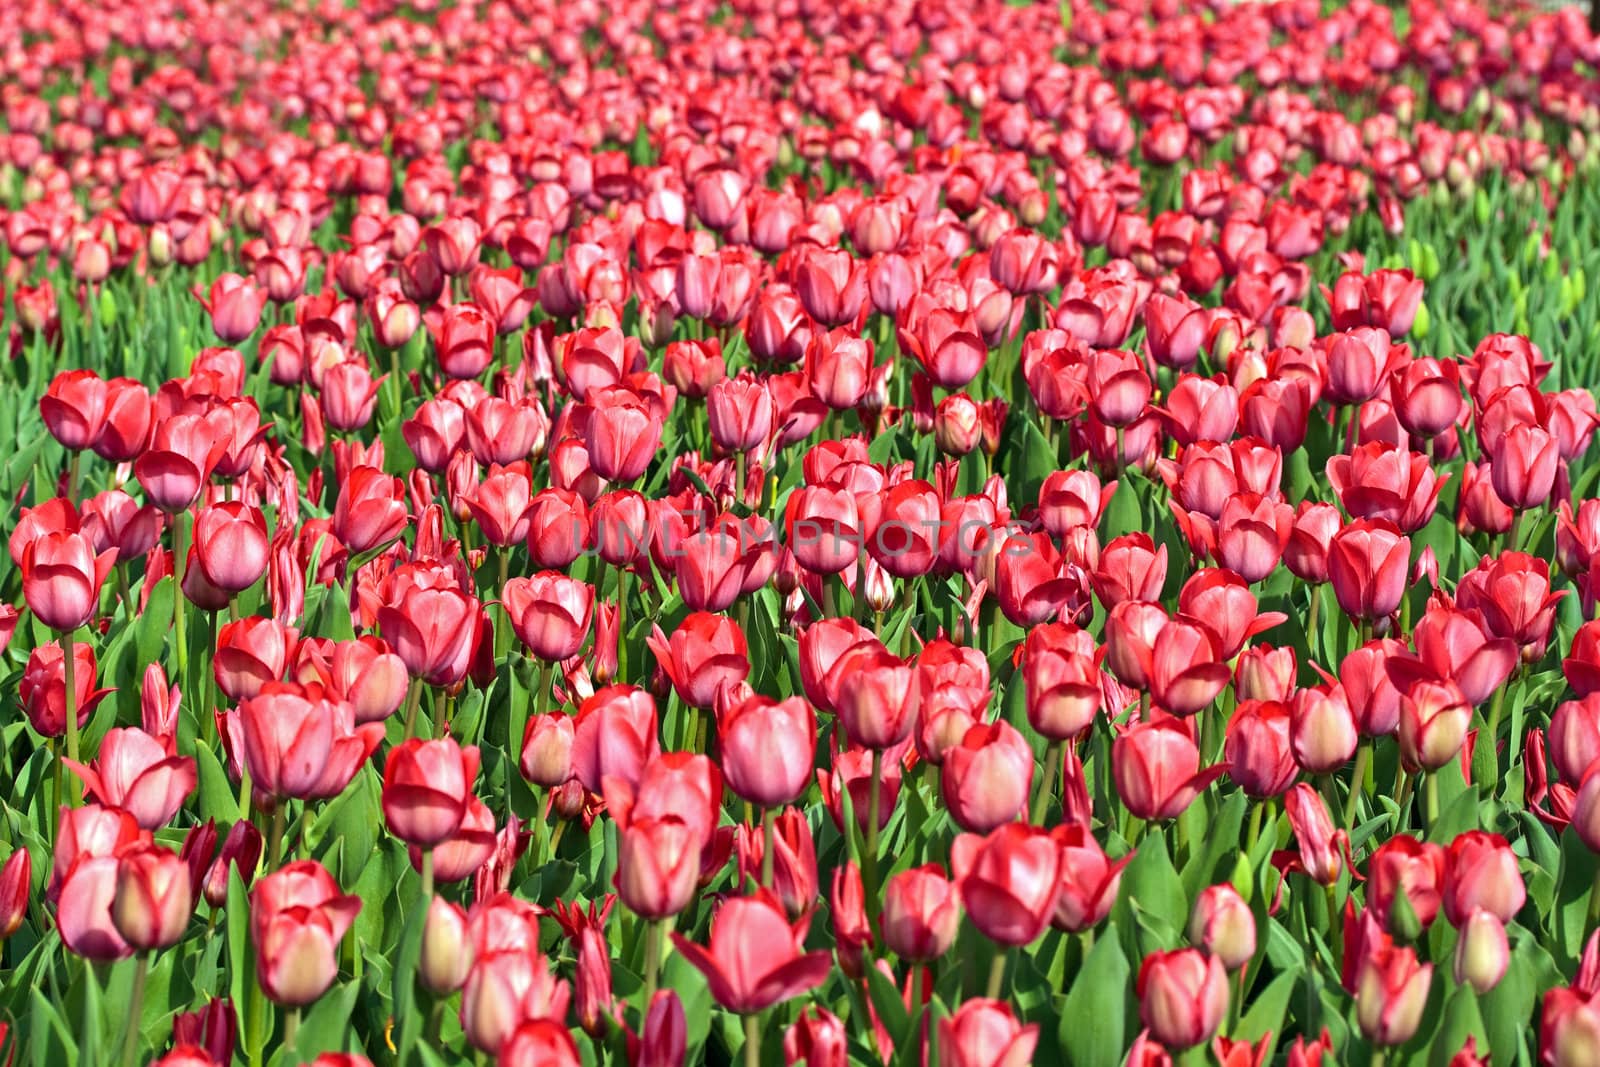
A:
1391, 993
1482, 952
154, 898
16, 878
446, 949
1224, 926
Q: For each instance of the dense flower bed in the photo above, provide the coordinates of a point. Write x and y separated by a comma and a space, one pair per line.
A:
800, 532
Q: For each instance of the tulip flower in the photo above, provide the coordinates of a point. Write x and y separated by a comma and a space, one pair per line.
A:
426, 785
1183, 996
985, 1032
748, 984
1391, 993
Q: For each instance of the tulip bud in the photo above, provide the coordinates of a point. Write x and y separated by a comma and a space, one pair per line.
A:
446, 950
921, 913
16, 879
1224, 926
154, 898
1391, 993
1482, 952
1183, 996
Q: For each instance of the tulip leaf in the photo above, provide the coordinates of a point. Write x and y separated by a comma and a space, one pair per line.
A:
1459, 806
889, 1005
1221, 836
1267, 1010
1093, 1031
1151, 897
217, 799
1574, 889
325, 1026
48, 1035
1461, 1020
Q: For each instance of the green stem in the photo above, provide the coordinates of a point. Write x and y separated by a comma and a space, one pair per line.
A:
413, 702
768, 821
427, 877
1594, 899
130, 1041
291, 1027
275, 844
752, 1040
1495, 709
180, 560
654, 934
1358, 783
69, 668
1254, 834
997, 974
869, 862
1433, 798
1052, 761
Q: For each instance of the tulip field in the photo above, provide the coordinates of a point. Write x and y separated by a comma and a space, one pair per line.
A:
880, 532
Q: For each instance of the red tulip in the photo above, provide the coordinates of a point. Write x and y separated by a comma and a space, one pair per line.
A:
1223, 925
506, 989
43, 687
624, 432
1523, 465
154, 898
1405, 867
615, 734
230, 544
1391, 993
1009, 881
298, 743
877, 700
1481, 874
426, 787
434, 631
1483, 953
755, 958
985, 1033
767, 748
658, 866
1258, 750
1434, 719
371, 509
817, 1039
135, 772
369, 677
1089, 880
61, 579
234, 305
1183, 996
83, 909
1368, 561
1186, 670
550, 613
74, 408
985, 780
297, 919
250, 653
1061, 670
16, 881
1156, 766
1322, 729
705, 653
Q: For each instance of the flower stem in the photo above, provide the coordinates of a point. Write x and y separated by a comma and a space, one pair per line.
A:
291, 1026
752, 1040
997, 974
1358, 783
1433, 798
869, 862
1041, 803
180, 560
130, 1040
427, 877
654, 934
69, 669
768, 821
275, 844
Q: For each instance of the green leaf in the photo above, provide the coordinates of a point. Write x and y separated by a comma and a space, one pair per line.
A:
1267, 1010
1093, 1031
1461, 1021
217, 799
1151, 896
891, 1009
1569, 923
